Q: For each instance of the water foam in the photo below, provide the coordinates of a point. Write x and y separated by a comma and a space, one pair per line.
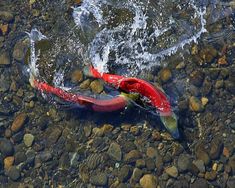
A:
136, 45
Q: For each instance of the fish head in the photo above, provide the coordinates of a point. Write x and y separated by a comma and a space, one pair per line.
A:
170, 122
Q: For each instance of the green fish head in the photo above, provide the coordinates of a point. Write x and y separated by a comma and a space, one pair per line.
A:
171, 124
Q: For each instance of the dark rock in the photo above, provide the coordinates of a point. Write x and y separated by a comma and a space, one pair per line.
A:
13, 173
30, 154
206, 88
230, 86
115, 151
184, 162
124, 173
20, 157
210, 175
42, 123
4, 58
150, 164
136, 175
202, 154
6, 16
231, 182
199, 183
216, 148
94, 160
20, 50
6, 147
200, 165
224, 73
100, 179
231, 163
17, 138
54, 136
45, 156
197, 78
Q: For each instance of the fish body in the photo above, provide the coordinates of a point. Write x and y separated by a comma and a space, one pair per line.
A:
101, 105
156, 96
130, 84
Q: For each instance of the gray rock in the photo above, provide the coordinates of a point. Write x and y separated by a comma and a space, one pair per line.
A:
150, 164
54, 136
136, 175
231, 182
216, 148
202, 154
94, 160
199, 183
20, 49
115, 151
6, 16
184, 162
4, 58
232, 125
20, 157
197, 77
100, 179
13, 173
28, 139
6, 147
45, 156
200, 165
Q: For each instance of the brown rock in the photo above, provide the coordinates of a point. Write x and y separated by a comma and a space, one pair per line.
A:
201, 154
195, 104
4, 58
148, 181
132, 156
18, 122
85, 84
172, 171
216, 148
4, 29
222, 61
8, 162
165, 74
76, 76
210, 175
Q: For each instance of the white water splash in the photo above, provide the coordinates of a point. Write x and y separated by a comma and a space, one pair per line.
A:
34, 36
136, 45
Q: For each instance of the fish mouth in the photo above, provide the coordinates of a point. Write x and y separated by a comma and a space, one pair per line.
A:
170, 122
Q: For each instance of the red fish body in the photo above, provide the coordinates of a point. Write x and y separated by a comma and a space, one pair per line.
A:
129, 84
101, 105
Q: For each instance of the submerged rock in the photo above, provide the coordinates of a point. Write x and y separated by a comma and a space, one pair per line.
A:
100, 179
13, 173
6, 16
165, 74
96, 86
4, 58
28, 139
172, 171
195, 104
149, 181
115, 151
18, 122
6, 147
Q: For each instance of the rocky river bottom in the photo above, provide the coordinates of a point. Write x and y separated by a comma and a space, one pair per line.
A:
45, 146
